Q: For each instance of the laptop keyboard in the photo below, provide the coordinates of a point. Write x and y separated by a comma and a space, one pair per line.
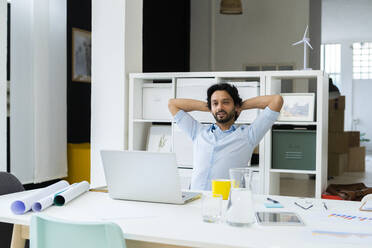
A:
189, 194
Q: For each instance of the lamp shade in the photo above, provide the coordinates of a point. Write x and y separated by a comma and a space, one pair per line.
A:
231, 7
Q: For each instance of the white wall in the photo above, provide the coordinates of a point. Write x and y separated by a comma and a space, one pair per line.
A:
263, 34
116, 51
345, 19
361, 110
3, 110
38, 90
346, 22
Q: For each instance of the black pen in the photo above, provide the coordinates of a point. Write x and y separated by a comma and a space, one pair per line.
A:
303, 206
272, 200
325, 206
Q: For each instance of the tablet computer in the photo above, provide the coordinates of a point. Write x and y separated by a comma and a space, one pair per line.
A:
279, 218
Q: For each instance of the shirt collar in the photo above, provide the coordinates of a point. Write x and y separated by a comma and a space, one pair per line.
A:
216, 127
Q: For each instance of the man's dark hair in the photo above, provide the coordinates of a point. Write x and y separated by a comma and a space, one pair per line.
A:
230, 89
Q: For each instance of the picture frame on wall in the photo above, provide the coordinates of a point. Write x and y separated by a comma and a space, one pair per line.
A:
297, 107
81, 55
159, 139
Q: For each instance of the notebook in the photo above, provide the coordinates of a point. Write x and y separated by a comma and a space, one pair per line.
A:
144, 176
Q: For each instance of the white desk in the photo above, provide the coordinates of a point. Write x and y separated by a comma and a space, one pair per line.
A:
167, 225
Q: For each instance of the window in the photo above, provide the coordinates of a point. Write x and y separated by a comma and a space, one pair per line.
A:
362, 60
330, 61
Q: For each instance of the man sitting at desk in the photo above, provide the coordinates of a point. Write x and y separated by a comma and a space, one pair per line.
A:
223, 145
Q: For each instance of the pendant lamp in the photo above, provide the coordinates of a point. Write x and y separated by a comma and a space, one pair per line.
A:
231, 7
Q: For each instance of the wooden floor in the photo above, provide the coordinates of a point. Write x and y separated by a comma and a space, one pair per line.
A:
306, 187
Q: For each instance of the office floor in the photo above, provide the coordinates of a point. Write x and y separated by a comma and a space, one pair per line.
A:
306, 187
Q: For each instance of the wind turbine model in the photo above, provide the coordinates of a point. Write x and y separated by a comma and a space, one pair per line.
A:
304, 40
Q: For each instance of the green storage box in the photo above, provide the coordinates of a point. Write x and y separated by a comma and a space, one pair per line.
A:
294, 149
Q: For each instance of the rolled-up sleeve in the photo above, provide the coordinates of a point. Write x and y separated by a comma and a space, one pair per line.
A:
187, 124
261, 125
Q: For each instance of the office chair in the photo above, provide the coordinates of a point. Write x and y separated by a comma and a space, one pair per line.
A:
8, 184
46, 232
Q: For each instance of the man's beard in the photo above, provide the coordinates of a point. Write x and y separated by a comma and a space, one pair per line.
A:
228, 116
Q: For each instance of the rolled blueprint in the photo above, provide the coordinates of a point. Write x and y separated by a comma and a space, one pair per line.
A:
24, 204
71, 193
47, 201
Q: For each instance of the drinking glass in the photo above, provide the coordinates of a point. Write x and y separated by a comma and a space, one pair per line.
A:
211, 207
221, 187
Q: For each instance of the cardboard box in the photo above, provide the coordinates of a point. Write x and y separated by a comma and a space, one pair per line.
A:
336, 117
354, 138
338, 142
356, 159
337, 104
337, 163
336, 121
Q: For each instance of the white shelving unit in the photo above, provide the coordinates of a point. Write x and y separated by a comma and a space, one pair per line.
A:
269, 83
273, 86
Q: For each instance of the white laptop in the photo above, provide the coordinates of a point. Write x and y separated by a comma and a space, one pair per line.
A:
144, 176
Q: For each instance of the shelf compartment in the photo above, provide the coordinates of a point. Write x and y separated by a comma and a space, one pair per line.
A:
141, 136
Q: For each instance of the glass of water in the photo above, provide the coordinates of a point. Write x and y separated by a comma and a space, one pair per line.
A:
211, 208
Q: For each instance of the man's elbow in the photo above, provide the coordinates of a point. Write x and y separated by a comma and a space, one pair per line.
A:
170, 103
280, 101
277, 103
172, 106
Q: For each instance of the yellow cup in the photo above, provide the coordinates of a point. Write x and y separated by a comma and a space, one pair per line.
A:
221, 187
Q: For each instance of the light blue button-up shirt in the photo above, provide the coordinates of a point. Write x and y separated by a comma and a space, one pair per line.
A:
216, 151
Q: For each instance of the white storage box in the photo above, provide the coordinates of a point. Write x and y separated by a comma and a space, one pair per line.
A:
247, 90
195, 88
155, 101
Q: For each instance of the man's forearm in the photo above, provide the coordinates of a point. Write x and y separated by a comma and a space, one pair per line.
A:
187, 105
274, 102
